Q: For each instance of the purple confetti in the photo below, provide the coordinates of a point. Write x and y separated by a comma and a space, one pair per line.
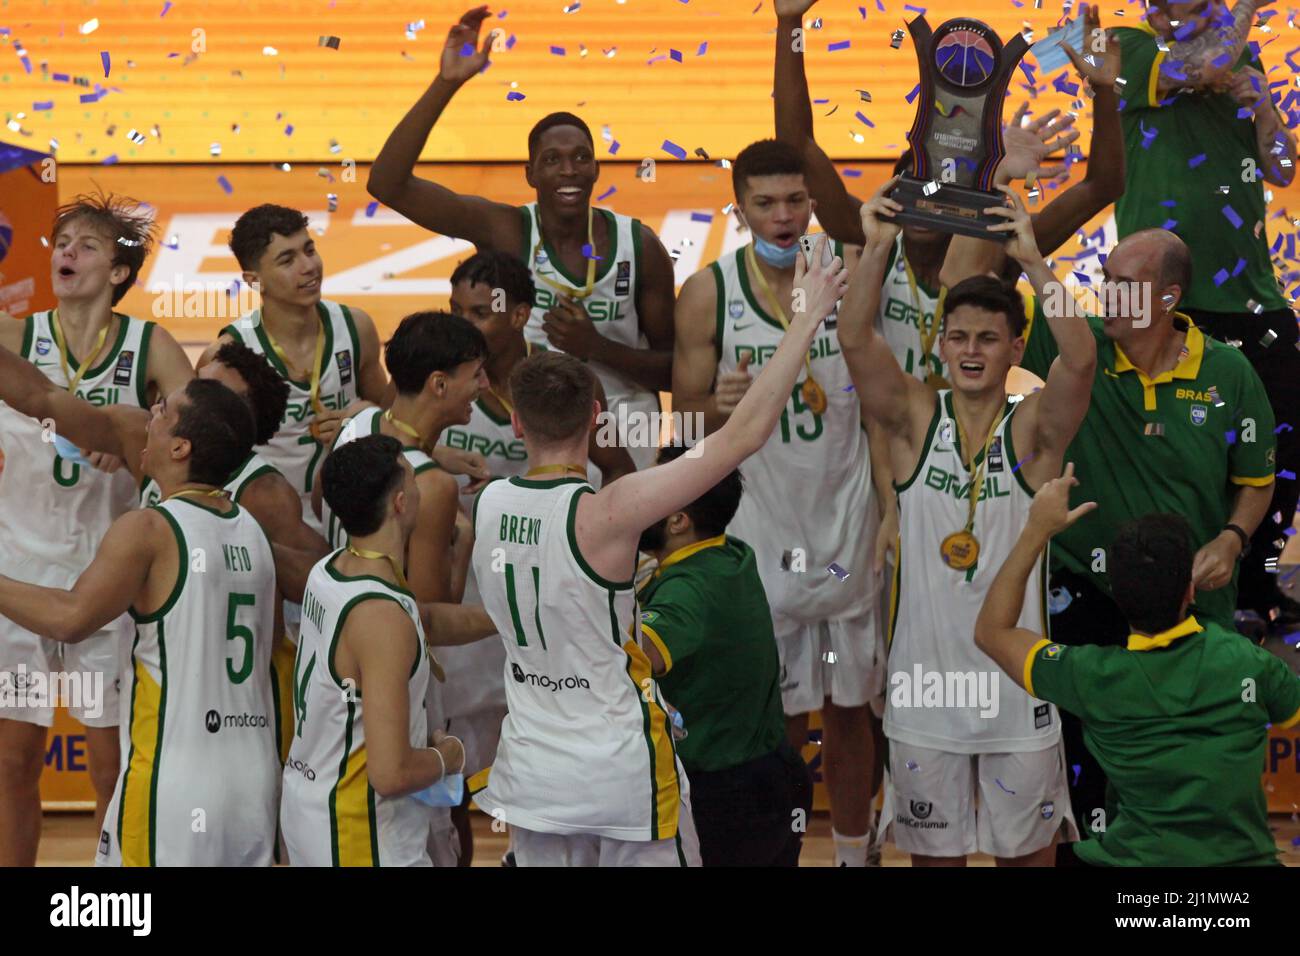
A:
224, 183
557, 51
607, 193
110, 160
915, 90
1230, 437
468, 50
1284, 427
672, 149
613, 148
851, 173
1286, 475
1169, 225
514, 96
1078, 772
1195, 161
589, 253
916, 10
1236, 270
676, 55
1231, 215
106, 60
1004, 788
1221, 277
166, 6
371, 208
864, 119
847, 388
43, 105
838, 45
704, 48
510, 44
701, 217
1022, 461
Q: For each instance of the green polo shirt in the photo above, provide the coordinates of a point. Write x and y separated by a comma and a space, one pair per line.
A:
1181, 443
1178, 721
706, 612
1179, 152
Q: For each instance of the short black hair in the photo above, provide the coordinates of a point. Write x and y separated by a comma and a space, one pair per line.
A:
990, 294
498, 270
357, 480
712, 511
254, 230
428, 342
550, 121
126, 223
1150, 565
268, 392
219, 427
767, 157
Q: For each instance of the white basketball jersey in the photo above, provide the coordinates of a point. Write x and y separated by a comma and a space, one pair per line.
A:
474, 670
53, 513
255, 467
365, 422
586, 746
292, 449
611, 307
330, 815
199, 731
936, 673
808, 499
904, 308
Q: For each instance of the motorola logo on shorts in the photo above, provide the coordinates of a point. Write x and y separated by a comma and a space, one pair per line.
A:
213, 721
548, 683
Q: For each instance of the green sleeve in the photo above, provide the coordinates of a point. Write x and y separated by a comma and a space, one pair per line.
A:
1279, 690
1053, 673
675, 619
1252, 457
1140, 70
1040, 345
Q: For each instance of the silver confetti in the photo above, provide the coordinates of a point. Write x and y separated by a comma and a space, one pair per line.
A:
215, 149
896, 39
331, 42
1268, 338
930, 188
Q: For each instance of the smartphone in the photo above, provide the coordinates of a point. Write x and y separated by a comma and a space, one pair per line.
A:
809, 245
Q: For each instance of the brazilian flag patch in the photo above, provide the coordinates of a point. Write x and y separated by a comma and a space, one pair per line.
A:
649, 617
1052, 652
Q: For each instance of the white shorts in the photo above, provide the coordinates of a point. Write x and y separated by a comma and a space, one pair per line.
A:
587, 849
31, 665
843, 659
1023, 801
480, 733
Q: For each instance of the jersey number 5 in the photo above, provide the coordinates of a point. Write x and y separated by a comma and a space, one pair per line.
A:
237, 631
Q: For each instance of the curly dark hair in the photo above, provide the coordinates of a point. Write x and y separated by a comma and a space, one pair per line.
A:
254, 229
268, 393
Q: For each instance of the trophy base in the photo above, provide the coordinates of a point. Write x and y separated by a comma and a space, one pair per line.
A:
952, 208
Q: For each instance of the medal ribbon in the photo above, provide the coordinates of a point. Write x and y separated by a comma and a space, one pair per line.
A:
591, 260
392, 562
405, 429
977, 480
198, 493
59, 340
556, 470
510, 409
316, 405
771, 301
927, 331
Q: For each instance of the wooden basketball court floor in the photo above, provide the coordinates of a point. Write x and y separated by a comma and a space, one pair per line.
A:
380, 262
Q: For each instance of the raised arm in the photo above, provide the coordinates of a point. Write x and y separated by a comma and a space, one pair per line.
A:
695, 356
996, 633
169, 366
1057, 410
487, 224
837, 210
372, 382
119, 430
883, 388
613, 460
610, 522
1205, 59
102, 593
1275, 143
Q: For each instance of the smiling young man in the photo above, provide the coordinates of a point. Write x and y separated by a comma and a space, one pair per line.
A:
327, 352
809, 503
604, 281
967, 461
55, 509
200, 775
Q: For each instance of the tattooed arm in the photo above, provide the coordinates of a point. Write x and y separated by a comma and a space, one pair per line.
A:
1209, 53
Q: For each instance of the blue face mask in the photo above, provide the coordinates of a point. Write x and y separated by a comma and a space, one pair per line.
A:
69, 452
773, 254
447, 792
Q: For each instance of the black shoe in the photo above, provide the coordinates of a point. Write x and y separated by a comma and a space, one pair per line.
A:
1285, 618
509, 859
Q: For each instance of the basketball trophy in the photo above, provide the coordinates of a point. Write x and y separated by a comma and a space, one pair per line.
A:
956, 138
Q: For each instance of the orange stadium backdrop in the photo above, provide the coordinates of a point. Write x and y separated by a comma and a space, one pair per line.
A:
204, 80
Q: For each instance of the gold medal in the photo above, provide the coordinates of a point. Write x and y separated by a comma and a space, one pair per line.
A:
813, 396
960, 550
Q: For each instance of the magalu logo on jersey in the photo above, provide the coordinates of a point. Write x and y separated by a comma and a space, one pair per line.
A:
623, 281
122, 373
43, 346
1199, 414
344, 361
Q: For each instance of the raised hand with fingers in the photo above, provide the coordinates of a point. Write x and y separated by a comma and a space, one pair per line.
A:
877, 213
1021, 246
732, 386
1050, 512
458, 65
1099, 68
1030, 144
817, 288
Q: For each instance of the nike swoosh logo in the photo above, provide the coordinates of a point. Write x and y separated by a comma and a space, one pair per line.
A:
741, 328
